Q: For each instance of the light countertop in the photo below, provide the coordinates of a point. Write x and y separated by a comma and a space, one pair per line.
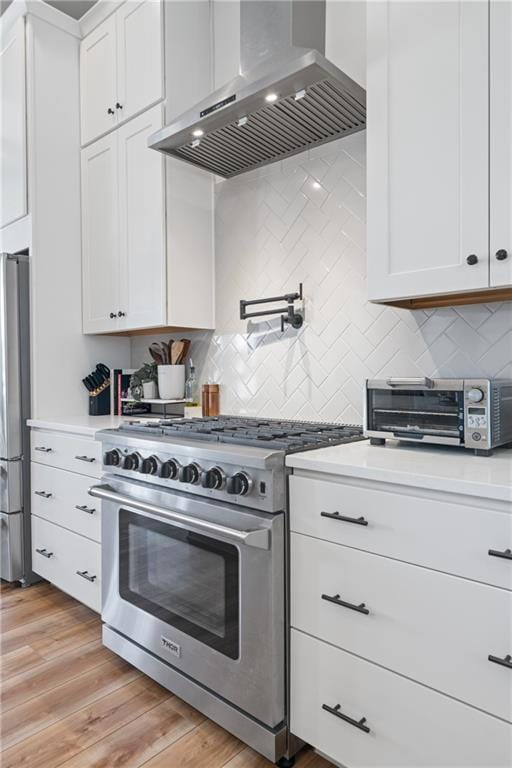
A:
436, 468
83, 425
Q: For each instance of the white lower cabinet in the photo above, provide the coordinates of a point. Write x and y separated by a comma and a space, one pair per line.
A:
68, 560
423, 624
406, 725
66, 521
401, 614
63, 498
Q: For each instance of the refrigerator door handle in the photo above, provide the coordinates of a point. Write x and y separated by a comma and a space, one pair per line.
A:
14, 458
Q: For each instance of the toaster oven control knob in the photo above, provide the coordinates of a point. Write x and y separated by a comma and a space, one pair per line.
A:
189, 474
239, 484
213, 478
132, 461
150, 466
112, 458
475, 395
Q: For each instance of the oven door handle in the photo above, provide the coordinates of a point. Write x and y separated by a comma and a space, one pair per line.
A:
419, 383
256, 538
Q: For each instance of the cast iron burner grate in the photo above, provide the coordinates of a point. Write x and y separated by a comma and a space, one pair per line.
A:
288, 436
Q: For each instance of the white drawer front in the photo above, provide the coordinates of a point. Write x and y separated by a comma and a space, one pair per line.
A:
410, 726
61, 556
62, 498
448, 537
78, 454
434, 628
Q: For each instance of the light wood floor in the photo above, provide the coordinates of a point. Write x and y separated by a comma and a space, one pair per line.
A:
67, 701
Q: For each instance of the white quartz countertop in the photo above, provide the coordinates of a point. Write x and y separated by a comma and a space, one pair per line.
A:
455, 470
83, 425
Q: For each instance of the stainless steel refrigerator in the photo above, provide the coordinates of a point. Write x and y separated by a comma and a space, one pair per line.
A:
15, 560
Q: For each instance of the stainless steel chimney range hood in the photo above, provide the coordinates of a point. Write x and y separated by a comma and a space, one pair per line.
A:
288, 98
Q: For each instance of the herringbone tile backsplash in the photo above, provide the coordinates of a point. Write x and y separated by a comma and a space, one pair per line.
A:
303, 220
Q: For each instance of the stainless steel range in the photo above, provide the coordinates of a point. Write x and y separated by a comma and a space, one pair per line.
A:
194, 562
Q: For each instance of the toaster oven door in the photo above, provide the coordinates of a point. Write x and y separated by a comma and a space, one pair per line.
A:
419, 410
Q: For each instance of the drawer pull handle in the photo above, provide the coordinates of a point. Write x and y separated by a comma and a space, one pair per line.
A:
88, 459
356, 723
43, 449
85, 508
506, 554
506, 662
86, 575
343, 518
44, 553
44, 494
361, 608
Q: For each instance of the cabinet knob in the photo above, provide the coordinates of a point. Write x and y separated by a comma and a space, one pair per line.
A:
121, 314
501, 255
472, 259
118, 105
110, 111
112, 315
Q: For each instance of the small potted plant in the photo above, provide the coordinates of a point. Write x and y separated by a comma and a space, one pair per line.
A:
143, 383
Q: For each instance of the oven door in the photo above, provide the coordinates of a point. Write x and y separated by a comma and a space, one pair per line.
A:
427, 410
200, 585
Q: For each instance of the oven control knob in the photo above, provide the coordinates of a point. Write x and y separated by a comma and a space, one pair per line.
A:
132, 461
213, 478
239, 484
475, 395
169, 469
112, 458
150, 466
189, 474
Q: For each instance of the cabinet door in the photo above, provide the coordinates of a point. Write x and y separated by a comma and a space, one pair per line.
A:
13, 156
501, 143
100, 236
427, 148
98, 81
139, 56
141, 224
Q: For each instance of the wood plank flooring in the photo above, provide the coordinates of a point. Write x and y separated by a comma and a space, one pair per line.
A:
67, 701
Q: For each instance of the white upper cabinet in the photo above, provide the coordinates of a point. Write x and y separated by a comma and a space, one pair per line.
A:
139, 56
121, 67
501, 143
98, 81
13, 155
428, 126
141, 224
100, 236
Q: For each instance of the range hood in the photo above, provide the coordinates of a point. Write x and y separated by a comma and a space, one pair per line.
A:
288, 97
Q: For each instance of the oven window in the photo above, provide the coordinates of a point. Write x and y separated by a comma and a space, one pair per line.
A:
187, 580
421, 412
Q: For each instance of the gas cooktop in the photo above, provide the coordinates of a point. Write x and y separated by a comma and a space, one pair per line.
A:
287, 436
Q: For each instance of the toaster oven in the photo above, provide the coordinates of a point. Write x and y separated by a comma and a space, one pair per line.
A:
471, 413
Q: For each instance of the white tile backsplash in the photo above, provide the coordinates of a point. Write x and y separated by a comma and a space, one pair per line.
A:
303, 220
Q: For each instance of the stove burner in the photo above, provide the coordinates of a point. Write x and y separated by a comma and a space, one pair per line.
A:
288, 436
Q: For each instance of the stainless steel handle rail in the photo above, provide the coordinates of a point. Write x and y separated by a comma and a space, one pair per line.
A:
86, 575
44, 494
44, 553
85, 508
259, 538
416, 383
88, 459
43, 449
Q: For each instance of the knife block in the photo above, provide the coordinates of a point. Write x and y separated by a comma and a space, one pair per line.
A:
99, 401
